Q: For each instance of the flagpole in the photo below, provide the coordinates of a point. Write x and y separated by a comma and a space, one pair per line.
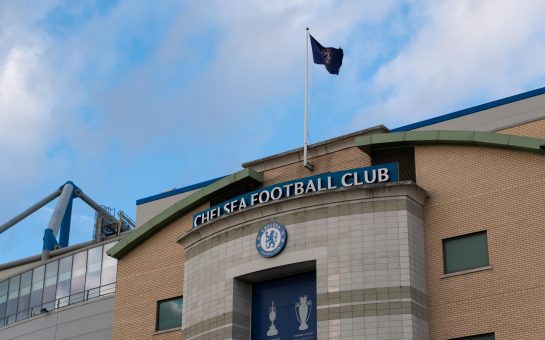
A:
305, 151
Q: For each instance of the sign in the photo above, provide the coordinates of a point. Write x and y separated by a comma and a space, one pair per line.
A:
334, 180
285, 308
271, 239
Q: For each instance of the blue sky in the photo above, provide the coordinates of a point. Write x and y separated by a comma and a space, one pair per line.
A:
132, 98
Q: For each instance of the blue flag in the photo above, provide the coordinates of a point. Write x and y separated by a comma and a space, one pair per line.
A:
331, 58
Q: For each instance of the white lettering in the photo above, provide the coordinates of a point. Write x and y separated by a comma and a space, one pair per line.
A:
299, 188
356, 179
330, 183
242, 204
310, 186
287, 187
264, 196
367, 180
383, 175
253, 199
320, 187
196, 221
226, 207
344, 178
278, 195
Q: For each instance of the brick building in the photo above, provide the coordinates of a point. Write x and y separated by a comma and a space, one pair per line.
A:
433, 230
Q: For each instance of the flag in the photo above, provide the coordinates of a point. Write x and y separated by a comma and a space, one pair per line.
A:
331, 58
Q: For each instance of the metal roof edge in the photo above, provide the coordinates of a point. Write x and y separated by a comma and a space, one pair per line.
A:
470, 110
176, 191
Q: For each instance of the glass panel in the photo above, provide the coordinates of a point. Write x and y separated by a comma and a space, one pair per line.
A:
92, 280
170, 314
78, 277
24, 295
3, 301
109, 268
50, 285
37, 289
465, 252
63, 283
13, 294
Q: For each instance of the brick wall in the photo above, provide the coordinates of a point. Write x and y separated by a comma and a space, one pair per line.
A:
151, 272
344, 159
502, 191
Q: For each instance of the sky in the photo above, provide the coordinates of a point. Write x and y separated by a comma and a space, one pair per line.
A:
132, 98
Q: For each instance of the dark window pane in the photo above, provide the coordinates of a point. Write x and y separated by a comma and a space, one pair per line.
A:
24, 295
94, 263
169, 314
465, 252
109, 268
37, 289
3, 301
50, 284
63, 283
13, 294
489, 336
78, 277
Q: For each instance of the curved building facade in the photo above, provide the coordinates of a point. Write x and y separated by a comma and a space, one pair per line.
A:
429, 231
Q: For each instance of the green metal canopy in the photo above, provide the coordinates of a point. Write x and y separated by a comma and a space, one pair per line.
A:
431, 137
182, 207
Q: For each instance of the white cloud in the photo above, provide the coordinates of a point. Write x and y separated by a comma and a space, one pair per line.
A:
462, 52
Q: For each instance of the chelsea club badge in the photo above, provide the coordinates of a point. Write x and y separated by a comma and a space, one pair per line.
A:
271, 239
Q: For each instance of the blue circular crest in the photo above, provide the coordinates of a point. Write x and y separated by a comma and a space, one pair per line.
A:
271, 239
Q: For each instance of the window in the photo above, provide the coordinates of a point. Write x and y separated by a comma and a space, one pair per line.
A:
465, 252
24, 295
63, 283
37, 290
488, 336
169, 314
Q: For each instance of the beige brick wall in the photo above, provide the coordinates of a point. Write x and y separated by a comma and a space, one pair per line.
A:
151, 272
345, 159
533, 129
502, 191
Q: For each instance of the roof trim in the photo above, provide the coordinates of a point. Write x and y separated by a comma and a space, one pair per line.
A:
168, 215
474, 109
374, 129
176, 191
478, 138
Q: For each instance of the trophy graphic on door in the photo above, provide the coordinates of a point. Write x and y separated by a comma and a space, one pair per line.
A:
302, 311
272, 316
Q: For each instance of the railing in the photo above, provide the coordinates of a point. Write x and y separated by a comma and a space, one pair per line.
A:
47, 307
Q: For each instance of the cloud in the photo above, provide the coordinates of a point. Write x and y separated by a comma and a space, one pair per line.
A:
462, 52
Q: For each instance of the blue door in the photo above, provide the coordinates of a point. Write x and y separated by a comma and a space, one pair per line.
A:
285, 308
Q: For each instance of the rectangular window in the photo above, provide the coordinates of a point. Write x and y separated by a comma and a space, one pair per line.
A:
488, 336
3, 301
50, 285
108, 274
92, 280
465, 252
13, 295
78, 277
24, 296
63, 282
169, 314
37, 290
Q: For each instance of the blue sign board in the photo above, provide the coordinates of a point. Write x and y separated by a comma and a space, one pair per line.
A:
285, 308
334, 180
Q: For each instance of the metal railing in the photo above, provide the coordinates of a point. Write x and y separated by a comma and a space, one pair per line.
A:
47, 307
